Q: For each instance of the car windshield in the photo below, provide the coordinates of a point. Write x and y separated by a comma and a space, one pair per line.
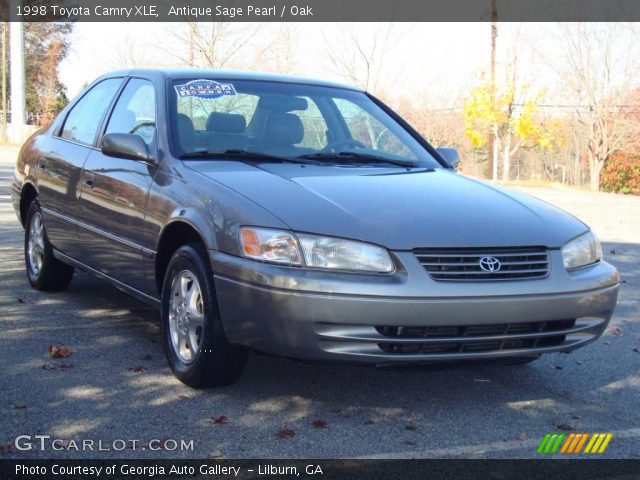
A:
324, 125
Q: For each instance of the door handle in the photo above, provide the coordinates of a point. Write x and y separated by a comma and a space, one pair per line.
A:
87, 179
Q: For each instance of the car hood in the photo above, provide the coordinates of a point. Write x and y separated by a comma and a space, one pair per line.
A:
399, 209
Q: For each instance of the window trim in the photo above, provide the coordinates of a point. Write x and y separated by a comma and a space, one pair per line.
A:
105, 121
57, 133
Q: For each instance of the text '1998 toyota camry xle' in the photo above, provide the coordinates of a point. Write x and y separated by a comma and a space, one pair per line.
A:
299, 218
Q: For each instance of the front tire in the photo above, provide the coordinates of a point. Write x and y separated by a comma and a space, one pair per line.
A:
44, 271
194, 341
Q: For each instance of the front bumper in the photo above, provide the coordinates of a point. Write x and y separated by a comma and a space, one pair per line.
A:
407, 316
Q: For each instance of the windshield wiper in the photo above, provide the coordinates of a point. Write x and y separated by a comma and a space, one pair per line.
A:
244, 154
355, 157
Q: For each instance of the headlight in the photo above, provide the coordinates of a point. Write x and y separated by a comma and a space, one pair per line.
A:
337, 253
581, 251
279, 246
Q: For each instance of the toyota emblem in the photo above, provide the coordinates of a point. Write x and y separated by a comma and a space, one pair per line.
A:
490, 264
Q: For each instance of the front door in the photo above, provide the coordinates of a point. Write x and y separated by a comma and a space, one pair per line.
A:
114, 192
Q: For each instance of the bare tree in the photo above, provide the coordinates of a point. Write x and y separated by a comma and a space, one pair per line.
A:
127, 53
362, 59
436, 119
279, 52
599, 67
212, 44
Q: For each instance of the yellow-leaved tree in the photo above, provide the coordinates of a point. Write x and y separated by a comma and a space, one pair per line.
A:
513, 125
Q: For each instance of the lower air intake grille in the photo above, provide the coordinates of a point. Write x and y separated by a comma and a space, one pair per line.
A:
468, 339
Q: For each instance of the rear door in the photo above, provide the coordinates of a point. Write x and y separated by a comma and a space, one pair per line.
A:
114, 192
59, 165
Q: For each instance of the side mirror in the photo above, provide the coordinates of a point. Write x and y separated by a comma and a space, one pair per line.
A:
126, 145
450, 155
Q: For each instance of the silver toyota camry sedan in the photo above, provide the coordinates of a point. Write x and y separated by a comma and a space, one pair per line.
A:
299, 218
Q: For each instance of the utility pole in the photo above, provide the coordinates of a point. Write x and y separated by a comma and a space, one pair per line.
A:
16, 49
492, 154
3, 133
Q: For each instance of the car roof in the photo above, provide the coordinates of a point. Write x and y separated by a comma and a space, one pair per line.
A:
195, 73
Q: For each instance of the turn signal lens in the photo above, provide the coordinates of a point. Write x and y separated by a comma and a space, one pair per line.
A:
269, 245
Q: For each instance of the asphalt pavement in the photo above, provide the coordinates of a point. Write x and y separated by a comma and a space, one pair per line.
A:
116, 388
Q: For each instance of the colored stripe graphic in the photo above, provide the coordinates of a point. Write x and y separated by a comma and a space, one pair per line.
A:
572, 444
581, 443
571, 439
604, 445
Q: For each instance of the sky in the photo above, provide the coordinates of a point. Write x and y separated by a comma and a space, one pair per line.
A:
421, 55
438, 61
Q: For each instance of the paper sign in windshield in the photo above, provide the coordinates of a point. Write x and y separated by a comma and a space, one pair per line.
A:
205, 89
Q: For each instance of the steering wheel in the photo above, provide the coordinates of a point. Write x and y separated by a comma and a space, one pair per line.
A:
143, 125
332, 147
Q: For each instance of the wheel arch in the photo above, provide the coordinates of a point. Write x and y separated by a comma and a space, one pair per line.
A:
174, 234
27, 194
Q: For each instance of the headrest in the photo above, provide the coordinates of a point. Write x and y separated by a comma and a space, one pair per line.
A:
284, 129
282, 103
185, 130
226, 123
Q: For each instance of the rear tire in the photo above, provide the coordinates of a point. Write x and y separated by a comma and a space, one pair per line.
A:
44, 271
195, 344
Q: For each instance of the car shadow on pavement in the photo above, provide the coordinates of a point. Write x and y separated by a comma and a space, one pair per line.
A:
118, 385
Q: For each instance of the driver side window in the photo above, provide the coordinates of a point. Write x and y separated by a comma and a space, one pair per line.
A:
135, 111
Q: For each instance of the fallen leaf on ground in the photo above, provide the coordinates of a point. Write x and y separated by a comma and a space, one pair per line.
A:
6, 447
182, 397
615, 330
59, 351
319, 424
578, 362
408, 442
522, 436
557, 367
368, 422
563, 426
286, 433
137, 369
218, 420
19, 406
57, 366
146, 357
637, 349
411, 428
483, 380
216, 454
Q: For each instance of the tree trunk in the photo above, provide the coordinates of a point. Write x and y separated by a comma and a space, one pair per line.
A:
506, 158
594, 178
595, 165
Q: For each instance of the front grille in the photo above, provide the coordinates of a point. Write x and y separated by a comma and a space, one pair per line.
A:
468, 339
465, 264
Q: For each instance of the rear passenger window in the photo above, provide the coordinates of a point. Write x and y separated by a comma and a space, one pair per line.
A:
84, 118
135, 111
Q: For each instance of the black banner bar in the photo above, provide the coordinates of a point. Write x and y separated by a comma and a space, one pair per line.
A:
318, 469
318, 10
